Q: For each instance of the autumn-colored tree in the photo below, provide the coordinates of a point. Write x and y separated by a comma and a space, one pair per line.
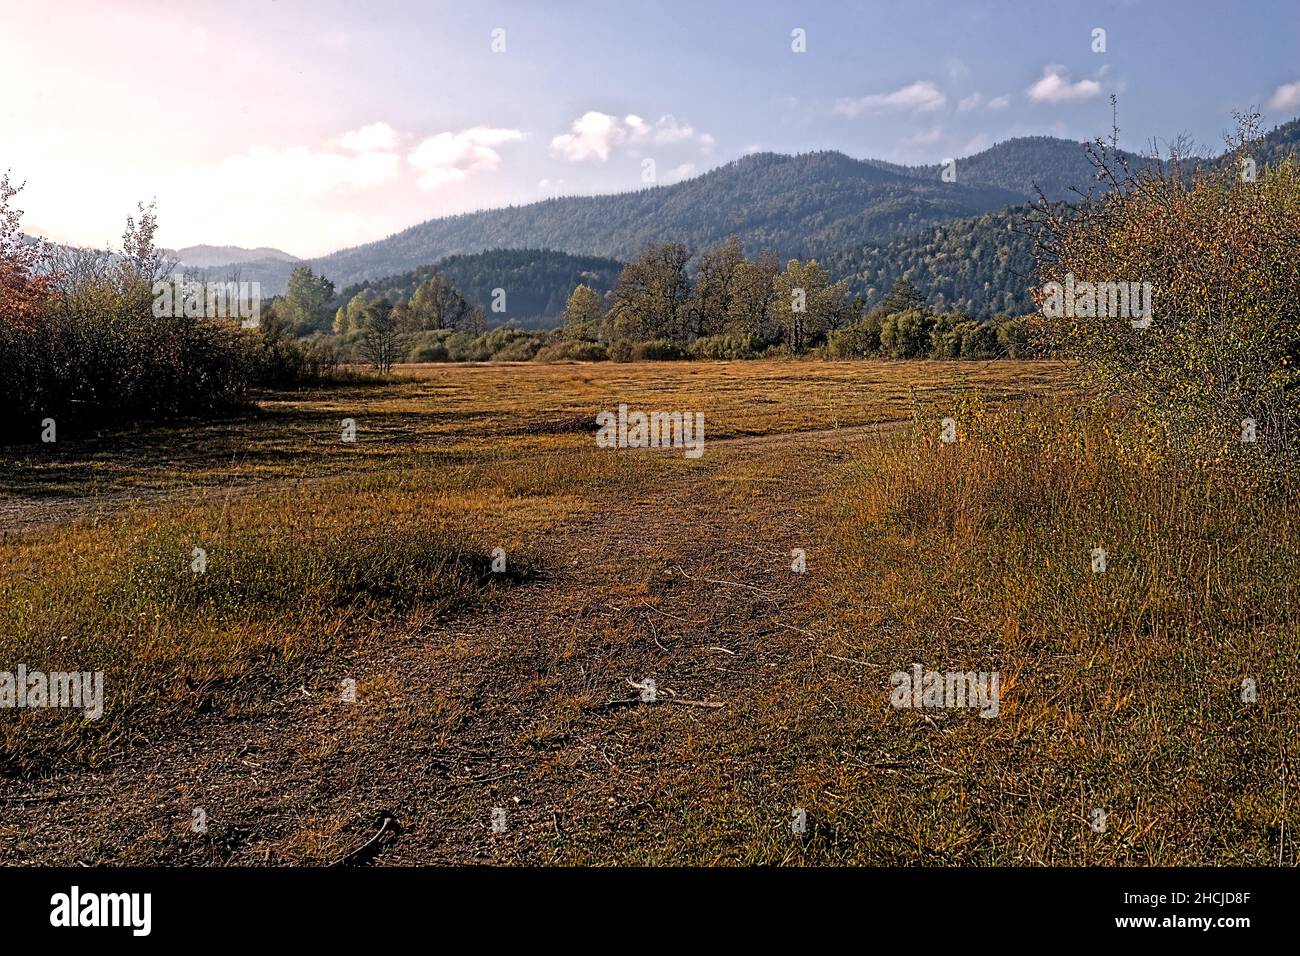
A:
24, 288
1218, 246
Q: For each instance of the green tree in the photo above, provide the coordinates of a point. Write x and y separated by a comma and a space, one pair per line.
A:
906, 334
807, 305
381, 340
903, 297
306, 302
716, 282
582, 315
652, 295
749, 309
437, 304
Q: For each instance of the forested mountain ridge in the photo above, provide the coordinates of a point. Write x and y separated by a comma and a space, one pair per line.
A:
849, 213
799, 205
536, 282
980, 266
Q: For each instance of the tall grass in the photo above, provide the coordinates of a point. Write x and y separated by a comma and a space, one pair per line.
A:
1122, 690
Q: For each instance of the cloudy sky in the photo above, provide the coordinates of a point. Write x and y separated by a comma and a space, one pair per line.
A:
312, 126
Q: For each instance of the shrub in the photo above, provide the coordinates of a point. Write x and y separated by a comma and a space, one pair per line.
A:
572, 351
859, 340
1223, 342
521, 349
742, 346
979, 340
906, 334
1013, 337
658, 350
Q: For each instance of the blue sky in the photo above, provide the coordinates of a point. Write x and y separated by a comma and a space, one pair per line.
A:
313, 126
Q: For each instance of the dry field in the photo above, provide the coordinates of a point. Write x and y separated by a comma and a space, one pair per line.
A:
330, 563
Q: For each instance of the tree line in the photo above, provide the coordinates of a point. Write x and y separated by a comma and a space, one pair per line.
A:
668, 303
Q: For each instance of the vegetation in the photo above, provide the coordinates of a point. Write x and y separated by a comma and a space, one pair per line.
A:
537, 282
1218, 252
85, 339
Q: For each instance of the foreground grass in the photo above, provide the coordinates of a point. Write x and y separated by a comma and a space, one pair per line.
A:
1127, 692
293, 576
1120, 691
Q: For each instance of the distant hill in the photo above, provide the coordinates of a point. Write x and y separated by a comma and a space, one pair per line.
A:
1060, 168
799, 205
537, 282
205, 257
822, 204
812, 204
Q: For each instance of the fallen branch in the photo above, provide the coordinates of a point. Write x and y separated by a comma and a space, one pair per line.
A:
387, 824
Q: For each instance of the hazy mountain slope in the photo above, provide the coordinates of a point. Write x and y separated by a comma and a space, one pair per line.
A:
824, 204
204, 257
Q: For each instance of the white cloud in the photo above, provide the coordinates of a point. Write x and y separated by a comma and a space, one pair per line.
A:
594, 135
1286, 97
998, 103
976, 144
919, 97
1055, 86
678, 173
927, 137
298, 169
969, 103
376, 136
450, 157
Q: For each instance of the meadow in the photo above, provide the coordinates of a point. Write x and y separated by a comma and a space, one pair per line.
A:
394, 638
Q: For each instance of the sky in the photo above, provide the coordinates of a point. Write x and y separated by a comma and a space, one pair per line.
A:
314, 126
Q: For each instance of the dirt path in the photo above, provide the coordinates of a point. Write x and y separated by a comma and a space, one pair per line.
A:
526, 707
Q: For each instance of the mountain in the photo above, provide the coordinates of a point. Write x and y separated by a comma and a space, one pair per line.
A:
207, 257
984, 265
1025, 164
537, 282
811, 204
822, 204
799, 205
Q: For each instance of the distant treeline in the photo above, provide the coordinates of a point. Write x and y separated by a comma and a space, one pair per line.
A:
536, 283
666, 304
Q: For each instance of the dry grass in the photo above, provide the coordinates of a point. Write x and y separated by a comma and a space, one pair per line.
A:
1120, 691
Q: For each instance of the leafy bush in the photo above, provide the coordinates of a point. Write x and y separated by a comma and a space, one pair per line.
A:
859, 340
1219, 251
906, 334
572, 351
521, 349
1013, 337
658, 350
726, 347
